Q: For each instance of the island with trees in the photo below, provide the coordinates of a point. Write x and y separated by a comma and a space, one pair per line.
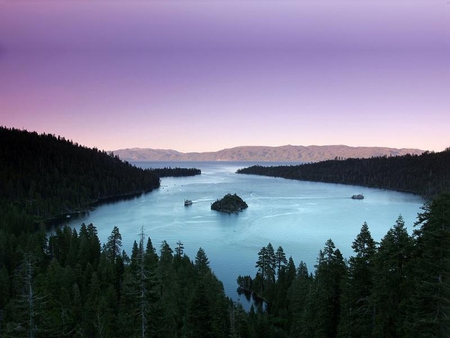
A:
69, 284
229, 204
176, 172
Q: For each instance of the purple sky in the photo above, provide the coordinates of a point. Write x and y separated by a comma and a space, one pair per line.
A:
203, 76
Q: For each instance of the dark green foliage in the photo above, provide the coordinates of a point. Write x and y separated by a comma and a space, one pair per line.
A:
145, 296
301, 302
399, 289
201, 262
266, 265
44, 176
358, 315
393, 280
69, 286
430, 303
113, 246
280, 259
66, 285
425, 174
230, 204
176, 172
328, 288
200, 316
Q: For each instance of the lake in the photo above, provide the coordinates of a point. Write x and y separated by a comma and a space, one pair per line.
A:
299, 216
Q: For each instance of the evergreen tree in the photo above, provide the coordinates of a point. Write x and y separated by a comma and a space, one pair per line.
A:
138, 293
272, 263
393, 277
165, 311
358, 314
179, 249
430, 304
201, 262
300, 305
330, 273
24, 312
266, 267
200, 315
151, 257
280, 259
113, 246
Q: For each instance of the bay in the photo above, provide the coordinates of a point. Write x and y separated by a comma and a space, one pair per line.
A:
299, 216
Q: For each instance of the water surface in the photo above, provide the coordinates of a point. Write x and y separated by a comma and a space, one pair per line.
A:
299, 216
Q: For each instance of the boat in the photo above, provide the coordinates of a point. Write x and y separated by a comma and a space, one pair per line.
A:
358, 197
187, 202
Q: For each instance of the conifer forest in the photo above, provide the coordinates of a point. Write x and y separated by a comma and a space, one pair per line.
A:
69, 284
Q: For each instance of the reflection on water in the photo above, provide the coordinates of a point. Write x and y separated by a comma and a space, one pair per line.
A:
299, 216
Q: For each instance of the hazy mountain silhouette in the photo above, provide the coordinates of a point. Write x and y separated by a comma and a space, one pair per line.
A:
288, 153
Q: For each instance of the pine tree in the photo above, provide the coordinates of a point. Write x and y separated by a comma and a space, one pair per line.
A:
430, 304
113, 246
200, 315
201, 262
358, 315
300, 306
24, 312
165, 311
330, 273
280, 259
179, 249
393, 277
272, 263
266, 264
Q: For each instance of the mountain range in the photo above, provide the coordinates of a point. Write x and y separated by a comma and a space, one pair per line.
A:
287, 153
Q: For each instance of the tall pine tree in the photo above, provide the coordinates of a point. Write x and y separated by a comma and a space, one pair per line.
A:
430, 306
358, 312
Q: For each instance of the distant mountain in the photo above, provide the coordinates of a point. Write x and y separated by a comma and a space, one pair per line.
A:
425, 174
288, 153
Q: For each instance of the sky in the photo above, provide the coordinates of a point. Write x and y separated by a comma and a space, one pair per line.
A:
201, 75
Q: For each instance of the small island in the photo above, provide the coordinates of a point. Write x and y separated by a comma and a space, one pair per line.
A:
229, 204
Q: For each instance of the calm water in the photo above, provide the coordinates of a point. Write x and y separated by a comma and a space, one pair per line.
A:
299, 216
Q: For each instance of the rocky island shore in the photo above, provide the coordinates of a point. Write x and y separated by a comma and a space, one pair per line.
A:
229, 204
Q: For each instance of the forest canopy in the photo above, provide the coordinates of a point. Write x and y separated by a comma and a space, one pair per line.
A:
70, 284
426, 174
46, 175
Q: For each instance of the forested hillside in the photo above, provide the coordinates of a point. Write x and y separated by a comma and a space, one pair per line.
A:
68, 284
426, 175
43, 176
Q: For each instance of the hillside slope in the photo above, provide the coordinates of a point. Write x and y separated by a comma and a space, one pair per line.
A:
427, 174
45, 176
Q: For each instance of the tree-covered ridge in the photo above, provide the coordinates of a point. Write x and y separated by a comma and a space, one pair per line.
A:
176, 172
44, 175
426, 175
70, 284
229, 204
